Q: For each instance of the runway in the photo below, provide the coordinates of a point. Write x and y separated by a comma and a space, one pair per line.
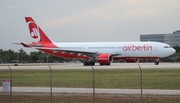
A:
97, 91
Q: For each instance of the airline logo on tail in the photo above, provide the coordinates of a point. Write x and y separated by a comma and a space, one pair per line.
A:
34, 30
38, 36
34, 33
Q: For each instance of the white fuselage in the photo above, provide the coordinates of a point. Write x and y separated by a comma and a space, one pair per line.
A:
124, 49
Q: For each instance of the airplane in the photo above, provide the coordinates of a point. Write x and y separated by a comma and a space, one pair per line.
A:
102, 52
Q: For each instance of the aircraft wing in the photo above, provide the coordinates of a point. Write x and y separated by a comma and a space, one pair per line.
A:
74, 51
56, 50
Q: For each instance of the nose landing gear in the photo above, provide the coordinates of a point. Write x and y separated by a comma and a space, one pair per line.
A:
156, 62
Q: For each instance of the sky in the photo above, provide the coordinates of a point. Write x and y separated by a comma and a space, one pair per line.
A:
87, 20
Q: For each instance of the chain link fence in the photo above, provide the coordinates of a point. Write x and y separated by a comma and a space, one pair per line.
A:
49, 85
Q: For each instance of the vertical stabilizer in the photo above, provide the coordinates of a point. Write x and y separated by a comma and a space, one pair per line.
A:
35, 31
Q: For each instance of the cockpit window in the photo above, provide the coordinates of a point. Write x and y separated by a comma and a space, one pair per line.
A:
167, 47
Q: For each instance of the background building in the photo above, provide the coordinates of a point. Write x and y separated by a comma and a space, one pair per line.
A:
173, 39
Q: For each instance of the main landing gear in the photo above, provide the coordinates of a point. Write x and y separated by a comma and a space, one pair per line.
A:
91, 63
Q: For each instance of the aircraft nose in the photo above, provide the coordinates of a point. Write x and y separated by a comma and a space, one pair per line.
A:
173, 50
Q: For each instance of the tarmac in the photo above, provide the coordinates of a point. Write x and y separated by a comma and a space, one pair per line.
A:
97, 91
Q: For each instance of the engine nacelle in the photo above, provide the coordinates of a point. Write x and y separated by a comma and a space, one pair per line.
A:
105, 59
132, 60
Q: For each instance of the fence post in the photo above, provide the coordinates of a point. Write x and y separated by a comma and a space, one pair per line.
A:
140, 80
50, 84
10, 84
93, 84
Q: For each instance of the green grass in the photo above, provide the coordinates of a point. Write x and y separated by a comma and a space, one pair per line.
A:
104, 78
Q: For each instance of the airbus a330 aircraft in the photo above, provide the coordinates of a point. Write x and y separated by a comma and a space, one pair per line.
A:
102, 52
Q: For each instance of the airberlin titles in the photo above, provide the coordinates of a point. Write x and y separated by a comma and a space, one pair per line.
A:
133, 47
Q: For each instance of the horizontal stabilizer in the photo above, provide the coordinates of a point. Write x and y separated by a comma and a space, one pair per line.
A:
25, 45
17, 43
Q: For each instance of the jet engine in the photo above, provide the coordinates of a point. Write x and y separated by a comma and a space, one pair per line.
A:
105, 59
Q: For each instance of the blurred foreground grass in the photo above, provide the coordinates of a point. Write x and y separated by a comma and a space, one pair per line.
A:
104, 78
85, 98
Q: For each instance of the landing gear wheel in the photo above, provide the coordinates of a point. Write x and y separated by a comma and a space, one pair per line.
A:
156, 62
89, 63
92, 63
85, 63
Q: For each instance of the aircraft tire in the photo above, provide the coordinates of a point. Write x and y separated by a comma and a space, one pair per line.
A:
156, 62
89, 63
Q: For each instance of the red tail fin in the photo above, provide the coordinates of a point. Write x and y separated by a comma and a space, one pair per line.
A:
36, 32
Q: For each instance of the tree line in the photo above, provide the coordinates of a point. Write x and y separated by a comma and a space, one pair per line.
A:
10, 56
